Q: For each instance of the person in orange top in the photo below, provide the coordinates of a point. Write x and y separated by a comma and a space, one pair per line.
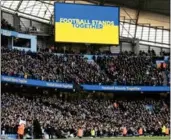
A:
124, 131
20, 131
140, 131
80, 132
167, 131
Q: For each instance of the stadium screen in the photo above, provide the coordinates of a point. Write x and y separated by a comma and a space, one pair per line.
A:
86, 24
21, 42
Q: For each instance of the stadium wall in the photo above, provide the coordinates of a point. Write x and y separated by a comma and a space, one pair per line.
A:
154, 19
114, 49
127, 46
144, 48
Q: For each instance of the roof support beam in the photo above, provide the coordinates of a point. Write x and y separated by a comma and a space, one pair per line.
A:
139, 7
17, 9
28, 17
136, 23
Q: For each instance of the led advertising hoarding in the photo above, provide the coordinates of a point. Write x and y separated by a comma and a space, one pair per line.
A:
86, 24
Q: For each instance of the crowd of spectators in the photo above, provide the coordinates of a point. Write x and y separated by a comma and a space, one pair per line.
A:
124, 69
6, 25
61, 118
130, 69
46, 66
167, 71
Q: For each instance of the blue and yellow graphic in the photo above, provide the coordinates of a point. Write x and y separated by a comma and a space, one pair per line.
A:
86, 24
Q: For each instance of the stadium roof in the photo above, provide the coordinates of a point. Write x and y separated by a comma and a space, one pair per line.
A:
157, 6
43, 9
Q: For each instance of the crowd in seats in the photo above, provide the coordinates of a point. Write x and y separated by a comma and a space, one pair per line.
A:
49, 67
124, 69
6, 25
167, 71
130, 69
66, 50
62, 118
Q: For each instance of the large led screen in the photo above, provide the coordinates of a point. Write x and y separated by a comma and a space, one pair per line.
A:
86, 24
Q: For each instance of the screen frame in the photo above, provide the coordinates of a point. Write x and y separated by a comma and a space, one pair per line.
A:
87, 5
